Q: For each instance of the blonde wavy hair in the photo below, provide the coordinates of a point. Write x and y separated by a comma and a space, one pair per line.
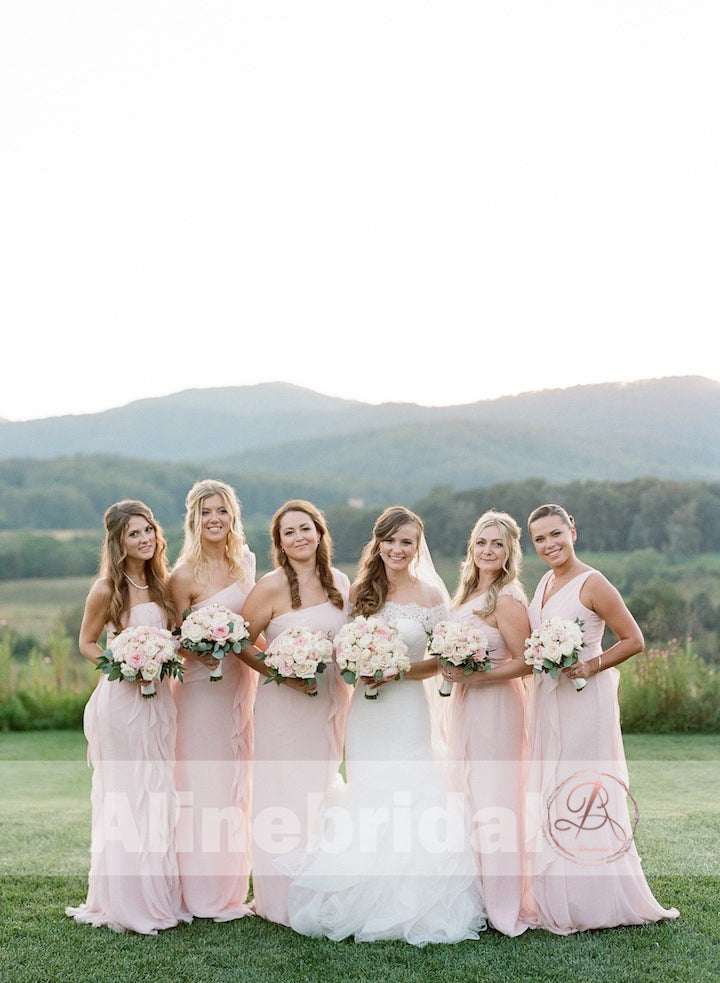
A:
371, 587
192, 551
114, 554
323, 556
512, 567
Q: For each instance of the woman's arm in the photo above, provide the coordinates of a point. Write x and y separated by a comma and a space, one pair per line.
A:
598, 594
184, 591
94, 620
258, 610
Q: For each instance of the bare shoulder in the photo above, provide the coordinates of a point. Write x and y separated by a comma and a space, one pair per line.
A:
101, 591
511, 605
597, 592
271, 584
182, 575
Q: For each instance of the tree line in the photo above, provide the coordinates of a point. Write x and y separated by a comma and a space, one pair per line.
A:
675, 518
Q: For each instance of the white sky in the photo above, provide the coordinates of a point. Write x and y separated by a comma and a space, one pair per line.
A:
428, 201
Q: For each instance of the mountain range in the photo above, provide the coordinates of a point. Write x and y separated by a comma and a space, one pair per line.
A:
668, 428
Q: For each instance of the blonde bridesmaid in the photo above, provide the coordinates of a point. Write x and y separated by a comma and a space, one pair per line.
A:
215, 724
488, 740
133, 883
298, 738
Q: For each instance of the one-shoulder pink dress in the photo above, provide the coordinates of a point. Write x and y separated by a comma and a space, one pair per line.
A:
587, 872
213, 775
488, 746
133, 883
298, 750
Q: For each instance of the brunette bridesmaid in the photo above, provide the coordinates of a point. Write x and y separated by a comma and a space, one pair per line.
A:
215, 724
133, 883
298, 737
587, 872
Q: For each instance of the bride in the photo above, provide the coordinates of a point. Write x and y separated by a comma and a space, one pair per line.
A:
390, 858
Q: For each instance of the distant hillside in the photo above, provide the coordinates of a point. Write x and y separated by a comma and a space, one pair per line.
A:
669, 428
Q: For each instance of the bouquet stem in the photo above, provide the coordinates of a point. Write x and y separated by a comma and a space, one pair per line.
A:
371, 693
579, 684
216, 674
446, 687
147, 690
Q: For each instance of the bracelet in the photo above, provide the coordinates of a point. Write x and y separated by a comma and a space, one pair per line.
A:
599, 668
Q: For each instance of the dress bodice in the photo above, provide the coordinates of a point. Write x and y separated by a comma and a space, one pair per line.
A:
233, 596
415, 623
497, 649
566, 603
323, 617
149, 614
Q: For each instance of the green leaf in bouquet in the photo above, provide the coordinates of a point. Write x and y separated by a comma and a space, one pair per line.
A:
348, 676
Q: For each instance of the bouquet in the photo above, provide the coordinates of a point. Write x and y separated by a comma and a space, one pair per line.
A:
298, 653
213, 630
458, 643
554, 645
370, 646
145, 652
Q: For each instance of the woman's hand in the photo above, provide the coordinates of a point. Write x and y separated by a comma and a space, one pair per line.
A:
581, 670
454, 674
206, 660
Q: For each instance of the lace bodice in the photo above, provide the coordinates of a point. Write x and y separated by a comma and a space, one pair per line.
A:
415, 623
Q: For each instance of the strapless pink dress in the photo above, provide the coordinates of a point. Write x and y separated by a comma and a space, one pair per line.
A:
488, 745
298, 750
587, 871
213, 774
133, 883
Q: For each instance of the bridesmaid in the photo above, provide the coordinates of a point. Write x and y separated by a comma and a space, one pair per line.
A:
215, 734
587, 872
487, 716
298, 739
133, 883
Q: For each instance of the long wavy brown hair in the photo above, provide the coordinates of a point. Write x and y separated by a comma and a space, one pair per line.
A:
191, 551
112, 562
323, 556
371, 586
511, 568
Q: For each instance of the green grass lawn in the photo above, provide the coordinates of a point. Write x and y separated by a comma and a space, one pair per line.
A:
45, 823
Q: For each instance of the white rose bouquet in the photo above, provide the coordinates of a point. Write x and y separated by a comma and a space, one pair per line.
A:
370, 646
555, 645
298, 653
213, 630
459, 643
146, 653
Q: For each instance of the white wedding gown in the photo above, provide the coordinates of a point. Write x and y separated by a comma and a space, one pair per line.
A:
390, 857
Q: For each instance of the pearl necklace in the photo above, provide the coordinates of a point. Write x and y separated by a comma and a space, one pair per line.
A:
138, 586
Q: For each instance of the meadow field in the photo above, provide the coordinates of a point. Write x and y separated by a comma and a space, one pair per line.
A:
45, 818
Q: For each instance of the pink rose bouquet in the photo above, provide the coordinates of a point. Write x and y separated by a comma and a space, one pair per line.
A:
554, 645
370, 646
298, 653
145, 653
459, 643
213, 630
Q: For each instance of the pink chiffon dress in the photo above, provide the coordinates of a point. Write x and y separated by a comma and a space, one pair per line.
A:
298, 750
586, 870
213, 774
488, 747
133, 883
